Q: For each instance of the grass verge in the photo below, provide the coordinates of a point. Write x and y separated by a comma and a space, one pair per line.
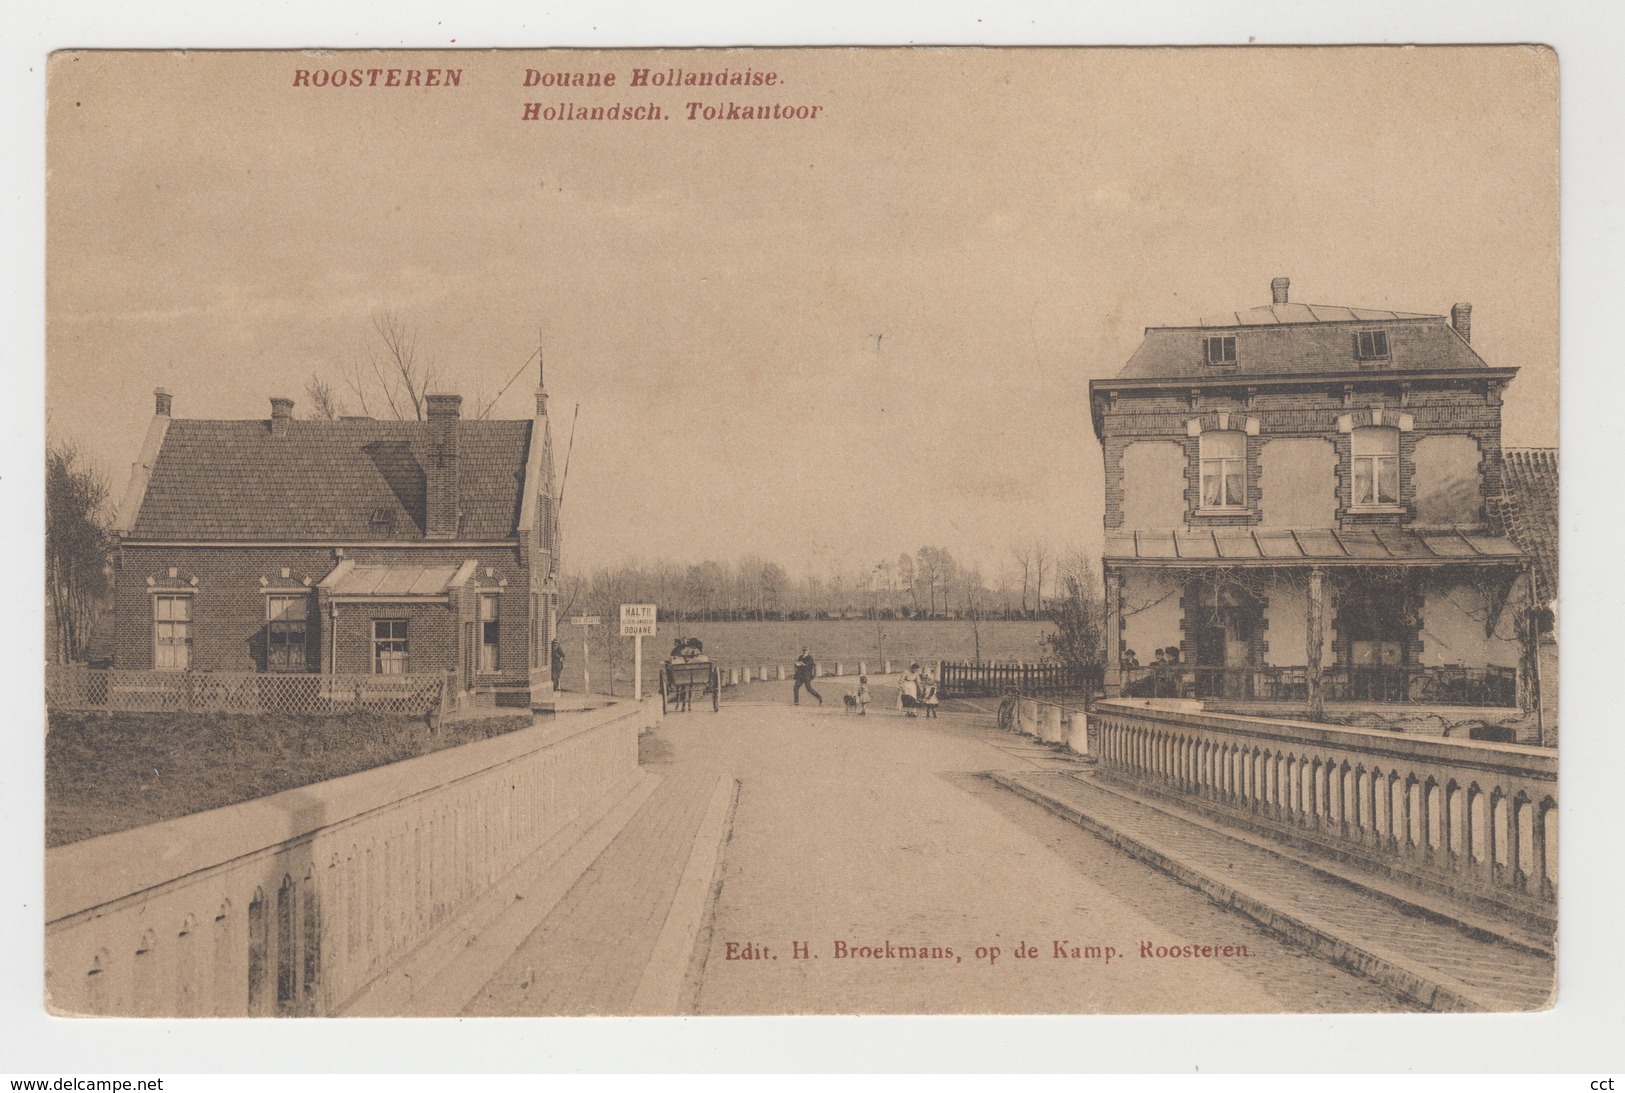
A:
109, 772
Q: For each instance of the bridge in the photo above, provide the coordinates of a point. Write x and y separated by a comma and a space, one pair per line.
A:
1148, 857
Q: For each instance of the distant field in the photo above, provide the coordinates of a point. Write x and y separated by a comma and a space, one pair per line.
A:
733, 644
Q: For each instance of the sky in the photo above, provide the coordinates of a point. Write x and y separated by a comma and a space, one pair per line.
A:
822, 341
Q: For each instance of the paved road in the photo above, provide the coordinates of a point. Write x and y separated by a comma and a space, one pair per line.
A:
876, 833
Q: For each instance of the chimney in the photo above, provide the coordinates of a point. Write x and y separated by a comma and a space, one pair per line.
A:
1278, 290
441, 517
281, 414
1461, 317
162, 398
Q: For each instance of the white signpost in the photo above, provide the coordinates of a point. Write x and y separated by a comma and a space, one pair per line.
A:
585, 621
638, 622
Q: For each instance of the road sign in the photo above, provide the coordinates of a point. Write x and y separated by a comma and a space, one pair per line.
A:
586, 620
637, 623
638, 620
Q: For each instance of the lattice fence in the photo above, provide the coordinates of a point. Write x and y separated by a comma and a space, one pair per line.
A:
116, 689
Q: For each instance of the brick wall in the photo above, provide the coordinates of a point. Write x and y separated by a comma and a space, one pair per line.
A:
228, 605
1445, 407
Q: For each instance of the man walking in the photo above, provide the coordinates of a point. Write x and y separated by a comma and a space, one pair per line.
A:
558, 662
806, 669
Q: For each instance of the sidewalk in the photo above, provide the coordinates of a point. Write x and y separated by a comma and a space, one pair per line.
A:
1420, 946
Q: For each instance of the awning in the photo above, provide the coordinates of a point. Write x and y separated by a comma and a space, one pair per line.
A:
349, 581
1318, 546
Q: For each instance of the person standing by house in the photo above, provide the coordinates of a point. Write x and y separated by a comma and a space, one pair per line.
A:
557, 662
806, 670
908, 691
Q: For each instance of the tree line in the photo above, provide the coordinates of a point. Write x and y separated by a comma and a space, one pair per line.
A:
929, 583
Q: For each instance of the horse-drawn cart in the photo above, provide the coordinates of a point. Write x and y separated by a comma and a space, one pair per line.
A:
681, 680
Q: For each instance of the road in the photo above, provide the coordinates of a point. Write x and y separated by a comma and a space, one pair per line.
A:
876, 834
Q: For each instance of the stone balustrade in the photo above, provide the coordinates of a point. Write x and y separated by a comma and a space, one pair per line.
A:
1049, 722
1475, 819
291, 904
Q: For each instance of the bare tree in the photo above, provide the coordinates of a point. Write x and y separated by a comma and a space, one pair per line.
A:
324, 404
1023, 555
1040, 556
390, 373
78, 544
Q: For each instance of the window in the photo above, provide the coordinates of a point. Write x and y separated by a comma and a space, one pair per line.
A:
1371, 345
489, 624
1376, 466
285, 618
1224, 463
172, 633
389, 647
1219, 350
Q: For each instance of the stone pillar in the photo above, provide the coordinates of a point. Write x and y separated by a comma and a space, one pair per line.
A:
1114, 635
1316, 630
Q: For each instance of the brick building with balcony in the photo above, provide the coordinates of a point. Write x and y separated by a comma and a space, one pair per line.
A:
1301, 510
343, 547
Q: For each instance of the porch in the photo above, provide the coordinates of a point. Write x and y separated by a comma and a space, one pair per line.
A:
1447, 685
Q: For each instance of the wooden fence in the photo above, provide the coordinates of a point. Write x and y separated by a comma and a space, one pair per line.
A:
71, 687
991, 679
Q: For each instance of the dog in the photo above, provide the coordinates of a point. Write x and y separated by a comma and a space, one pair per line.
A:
851, 703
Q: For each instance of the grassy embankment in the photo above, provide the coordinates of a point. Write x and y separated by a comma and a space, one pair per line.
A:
109, 772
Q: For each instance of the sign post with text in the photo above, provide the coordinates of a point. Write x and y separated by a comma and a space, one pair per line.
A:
637, 622
585, 621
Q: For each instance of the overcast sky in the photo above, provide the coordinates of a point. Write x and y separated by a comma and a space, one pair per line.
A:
823, 341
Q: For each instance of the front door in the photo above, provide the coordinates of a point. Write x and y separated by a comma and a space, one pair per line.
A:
1222, 652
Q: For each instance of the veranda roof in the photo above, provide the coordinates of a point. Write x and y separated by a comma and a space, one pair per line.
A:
348, 580
1317, 546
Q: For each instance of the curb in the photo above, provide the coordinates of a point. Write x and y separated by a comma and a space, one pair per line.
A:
1425, 986
660, 990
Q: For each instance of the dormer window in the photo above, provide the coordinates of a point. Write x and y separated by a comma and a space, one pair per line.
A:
383, 521
1371, 345
1219, 350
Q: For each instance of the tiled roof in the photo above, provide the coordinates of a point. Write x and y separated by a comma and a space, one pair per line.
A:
1284, 546
1303, 339
1527, 509
1279, 314
347, 480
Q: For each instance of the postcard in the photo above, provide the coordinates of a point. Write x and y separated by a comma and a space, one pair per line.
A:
702, 532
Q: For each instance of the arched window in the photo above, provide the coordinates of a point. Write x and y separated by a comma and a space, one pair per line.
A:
1376, 465
1224, 462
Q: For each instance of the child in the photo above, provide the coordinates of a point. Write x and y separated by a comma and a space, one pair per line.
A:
863, 696
928, 694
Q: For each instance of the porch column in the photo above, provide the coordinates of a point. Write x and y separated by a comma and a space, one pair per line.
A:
1528, 627
1315, 641
1114, 635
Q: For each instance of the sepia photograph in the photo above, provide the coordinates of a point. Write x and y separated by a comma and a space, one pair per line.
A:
839, 531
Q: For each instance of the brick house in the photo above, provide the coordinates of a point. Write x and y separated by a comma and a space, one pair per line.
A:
347, 546
1299, 509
